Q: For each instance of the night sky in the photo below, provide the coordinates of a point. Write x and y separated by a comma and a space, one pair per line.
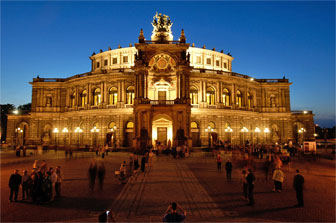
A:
267, 40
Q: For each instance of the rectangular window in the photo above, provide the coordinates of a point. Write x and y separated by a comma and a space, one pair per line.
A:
198, 59
115, 60
217, 63
208, 61
125, 59
98, 64
105, 62
225, 65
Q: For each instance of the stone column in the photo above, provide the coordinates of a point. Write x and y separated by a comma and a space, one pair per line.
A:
177, 84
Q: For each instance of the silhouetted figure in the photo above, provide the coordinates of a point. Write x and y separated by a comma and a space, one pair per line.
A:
136, 163
101, 175
298, 186
250, 186
143, 163
14, 185
92, 175
171, 214
228, 167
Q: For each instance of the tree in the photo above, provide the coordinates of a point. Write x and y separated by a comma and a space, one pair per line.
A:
23, 109
5, 110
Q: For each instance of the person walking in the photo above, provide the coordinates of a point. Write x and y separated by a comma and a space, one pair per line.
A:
278, 178
58, 181
92, 175
250, 178
25, 186
14, 185
228, 167
298, 186
244, 182
267, 166
219, 162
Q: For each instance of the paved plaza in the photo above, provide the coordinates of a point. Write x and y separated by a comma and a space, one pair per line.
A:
193, 182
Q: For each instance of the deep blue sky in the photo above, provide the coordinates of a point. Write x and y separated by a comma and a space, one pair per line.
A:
267, 40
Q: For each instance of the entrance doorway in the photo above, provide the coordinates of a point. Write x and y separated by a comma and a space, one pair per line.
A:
162, 129
162, 135
162, 95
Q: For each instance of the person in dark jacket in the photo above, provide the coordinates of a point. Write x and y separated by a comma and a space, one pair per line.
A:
228, 167
250, 186
298, 186
172, 215
14, 185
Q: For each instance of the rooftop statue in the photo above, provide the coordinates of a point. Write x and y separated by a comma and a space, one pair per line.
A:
162, 28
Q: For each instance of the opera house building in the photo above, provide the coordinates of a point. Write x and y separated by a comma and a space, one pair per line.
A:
159, 90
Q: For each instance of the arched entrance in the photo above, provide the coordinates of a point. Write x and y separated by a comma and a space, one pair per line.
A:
162, 129
195, 134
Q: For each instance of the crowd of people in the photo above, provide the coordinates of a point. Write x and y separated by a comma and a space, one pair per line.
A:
43, 184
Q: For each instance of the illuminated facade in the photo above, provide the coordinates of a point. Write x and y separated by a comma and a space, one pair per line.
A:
160, 90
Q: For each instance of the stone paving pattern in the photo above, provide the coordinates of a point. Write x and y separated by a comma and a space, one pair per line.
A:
194, 183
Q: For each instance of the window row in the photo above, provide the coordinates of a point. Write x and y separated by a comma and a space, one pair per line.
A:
114, 61
208, 61
226, 97
112, 97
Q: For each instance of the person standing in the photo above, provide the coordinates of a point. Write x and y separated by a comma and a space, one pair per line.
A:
25, 182
101, 175
136, 162
250, 186
228, 167
92, 175
298, 186
267, 166
14, 185
278, 178
58, 181
219, 162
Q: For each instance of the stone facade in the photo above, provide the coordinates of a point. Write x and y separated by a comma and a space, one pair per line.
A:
160, 90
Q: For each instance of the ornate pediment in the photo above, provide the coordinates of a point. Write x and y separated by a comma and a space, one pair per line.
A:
162, 63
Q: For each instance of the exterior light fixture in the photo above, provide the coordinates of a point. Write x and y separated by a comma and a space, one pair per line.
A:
257, 129
251, 79
244, 129
15, 112
78, 129
65, 130
305, 112
95, 129
55, 130
266, 130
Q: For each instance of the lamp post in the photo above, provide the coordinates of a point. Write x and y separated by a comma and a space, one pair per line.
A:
17, 132
257, 131
229, 131
209, 130
78, 130
301, 131
266, 131
65, 131
95, 130
114, 135
244, 130
55, 131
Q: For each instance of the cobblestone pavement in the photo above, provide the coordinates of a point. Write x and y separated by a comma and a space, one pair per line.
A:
193, 182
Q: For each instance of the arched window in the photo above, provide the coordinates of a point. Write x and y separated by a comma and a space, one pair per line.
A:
193, 125
210, 95
194, 95
113, 96
130, 125
49, 101
83, 97
130, 95
226, 97
249, 100
72, 99
239, 99
112, 126
272, 101
96, 96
